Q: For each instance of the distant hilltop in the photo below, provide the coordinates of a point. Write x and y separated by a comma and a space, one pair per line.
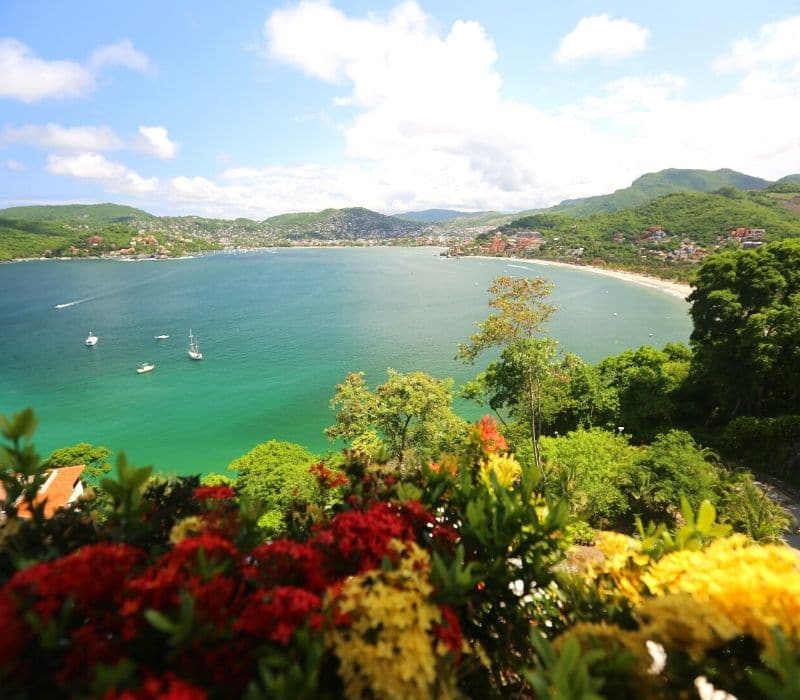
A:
113, 230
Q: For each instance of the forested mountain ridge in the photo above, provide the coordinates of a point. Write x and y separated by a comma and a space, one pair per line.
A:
112, 229
652, 185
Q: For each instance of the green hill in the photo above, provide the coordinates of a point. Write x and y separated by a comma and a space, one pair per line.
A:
653, 185
698, 218
90, 214
342, 224
440, 215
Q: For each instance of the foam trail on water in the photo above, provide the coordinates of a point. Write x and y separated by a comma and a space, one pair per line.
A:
72, 303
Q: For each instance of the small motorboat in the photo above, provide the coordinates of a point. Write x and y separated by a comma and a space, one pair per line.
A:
91, 339
163, 336
145, 367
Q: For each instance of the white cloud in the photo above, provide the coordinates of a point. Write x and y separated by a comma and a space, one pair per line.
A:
24, 76
76, 138
115, 177
155, 141
13, 165
602, 37
27, 77
122, 53
427, 125
776, 42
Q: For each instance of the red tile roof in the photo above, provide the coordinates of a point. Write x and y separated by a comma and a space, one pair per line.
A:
56, 491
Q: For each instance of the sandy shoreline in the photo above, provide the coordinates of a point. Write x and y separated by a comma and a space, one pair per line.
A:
673, 288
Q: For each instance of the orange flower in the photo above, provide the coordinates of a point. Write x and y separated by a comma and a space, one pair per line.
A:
489, 435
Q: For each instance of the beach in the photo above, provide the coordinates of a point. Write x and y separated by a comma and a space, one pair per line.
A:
675, 289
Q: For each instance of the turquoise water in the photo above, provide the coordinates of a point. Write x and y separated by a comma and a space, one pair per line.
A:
278, 331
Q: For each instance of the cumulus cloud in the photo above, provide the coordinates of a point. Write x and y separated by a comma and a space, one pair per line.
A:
27, 77
428, 125
155, 141
122, 53
13, 165
777, 42
76, 138
602, 37
115, 177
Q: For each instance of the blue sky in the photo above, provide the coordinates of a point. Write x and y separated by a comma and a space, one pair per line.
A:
258, 108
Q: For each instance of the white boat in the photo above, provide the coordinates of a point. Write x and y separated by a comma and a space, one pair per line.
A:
194, 351
91, 339
145, 367
161, 337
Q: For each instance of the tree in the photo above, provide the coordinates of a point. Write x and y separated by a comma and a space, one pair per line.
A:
275, 474
521, 312
408, 412
593, 471
746, 313
95, 458
647, 382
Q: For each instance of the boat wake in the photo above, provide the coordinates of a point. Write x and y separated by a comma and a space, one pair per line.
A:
521, 267
72, 303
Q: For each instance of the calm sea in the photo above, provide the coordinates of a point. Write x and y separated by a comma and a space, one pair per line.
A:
278, 331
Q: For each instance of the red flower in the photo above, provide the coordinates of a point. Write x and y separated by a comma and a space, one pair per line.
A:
357, 541
489, 435
206, 566
449, 632
168, 687
274, 615
214, 493
327, 478
93, 577
287, 563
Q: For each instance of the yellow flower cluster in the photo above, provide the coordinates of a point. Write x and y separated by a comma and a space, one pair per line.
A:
188, 527
505, 468
682, 622
754, 587
620, 571
388, 649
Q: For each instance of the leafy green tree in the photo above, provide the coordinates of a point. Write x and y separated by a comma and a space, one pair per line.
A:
409, 412
94, 457
648, 384
575, 396
521, 311
746, 313
275, 474
674, 466
593, 471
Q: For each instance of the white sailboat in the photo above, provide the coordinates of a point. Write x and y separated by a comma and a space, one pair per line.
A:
91, 339
194, 351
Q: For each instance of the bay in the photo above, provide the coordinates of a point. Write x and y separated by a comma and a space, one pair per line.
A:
278, 331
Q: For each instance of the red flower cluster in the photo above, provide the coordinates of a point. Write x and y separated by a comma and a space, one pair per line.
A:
276, 614
214, 493
109, 603
489, 435
449, 632
168, 687
327, 478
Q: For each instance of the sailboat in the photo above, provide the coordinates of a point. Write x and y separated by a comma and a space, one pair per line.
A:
91, 339
194, 351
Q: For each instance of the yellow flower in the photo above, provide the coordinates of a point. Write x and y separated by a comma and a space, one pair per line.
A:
755, 587
188, 527
388, 649
505, 468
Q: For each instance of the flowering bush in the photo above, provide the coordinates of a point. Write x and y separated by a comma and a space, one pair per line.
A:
446, 580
